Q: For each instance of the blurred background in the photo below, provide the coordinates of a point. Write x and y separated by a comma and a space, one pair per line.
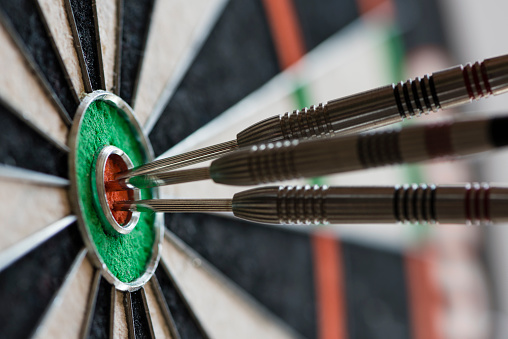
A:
465, 278
407, 38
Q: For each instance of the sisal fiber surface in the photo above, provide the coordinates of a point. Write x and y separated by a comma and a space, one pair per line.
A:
126, 256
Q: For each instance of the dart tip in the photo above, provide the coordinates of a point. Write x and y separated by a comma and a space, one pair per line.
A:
123, 206
115, 185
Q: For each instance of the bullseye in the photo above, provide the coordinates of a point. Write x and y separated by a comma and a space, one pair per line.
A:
109, 161
114, 165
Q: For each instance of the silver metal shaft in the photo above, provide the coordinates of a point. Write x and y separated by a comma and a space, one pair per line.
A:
294, 159
360, 112
464, 204
160, 179
176, 205
181, 160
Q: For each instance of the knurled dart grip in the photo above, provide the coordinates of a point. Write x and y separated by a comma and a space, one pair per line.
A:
385, 105
464, 204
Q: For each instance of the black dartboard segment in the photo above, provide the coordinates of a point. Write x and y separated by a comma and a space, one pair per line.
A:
421, 23
237, 58
25, 19
84, 19
376, 294
101, 318
271, 264
139, 316
28, 285
22, 146
184, 321
135, 22
321, 19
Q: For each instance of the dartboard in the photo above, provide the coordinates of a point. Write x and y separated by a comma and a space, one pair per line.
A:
157, 78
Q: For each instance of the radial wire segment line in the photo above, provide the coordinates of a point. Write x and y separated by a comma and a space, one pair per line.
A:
135, 26
128, 312
48, 204
168, 59
112, 305
140, 315
147, 312
225, 310
163, 306
84, 28
119, 322
59, 30
23, 93
24, 145
159, 321
107, 27
99, 326
49, 263
49, 325
20, 174
11, 254
186, 322
34, 42
90, 308
140, 318
285, 252
21, 125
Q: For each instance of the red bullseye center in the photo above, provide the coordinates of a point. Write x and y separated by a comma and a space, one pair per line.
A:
114, 165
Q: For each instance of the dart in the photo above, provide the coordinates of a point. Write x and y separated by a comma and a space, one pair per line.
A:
463, 204
295, 159
360, 112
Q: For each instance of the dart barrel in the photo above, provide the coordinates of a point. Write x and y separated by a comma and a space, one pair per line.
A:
460, 204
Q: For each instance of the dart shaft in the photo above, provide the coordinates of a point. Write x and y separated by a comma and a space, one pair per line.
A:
464, 204
176, 205
161, 179
181, 160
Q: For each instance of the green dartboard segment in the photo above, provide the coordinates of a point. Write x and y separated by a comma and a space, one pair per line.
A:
126, 256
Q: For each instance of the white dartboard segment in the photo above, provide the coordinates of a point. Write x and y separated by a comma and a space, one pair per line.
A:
69, 306
159, 324
47, 205
107, 20
177, 31
219, 305
20, 88
56, 20
119, 319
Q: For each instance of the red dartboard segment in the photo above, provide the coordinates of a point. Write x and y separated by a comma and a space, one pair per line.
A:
329, 282
424, 296
365, 6
115, 165
286, 31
